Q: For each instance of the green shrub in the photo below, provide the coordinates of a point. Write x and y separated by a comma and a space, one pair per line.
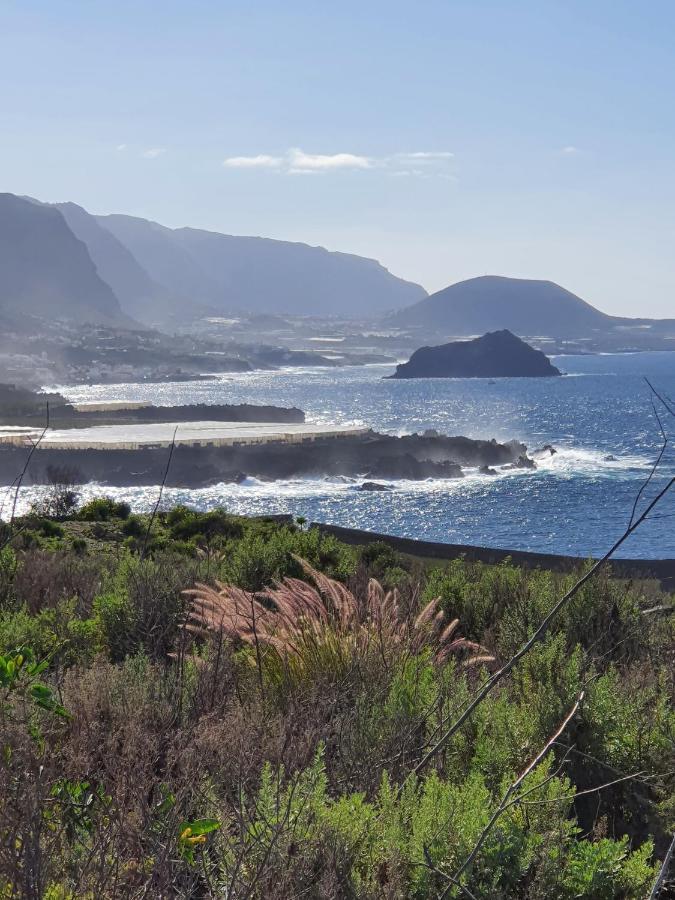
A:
142, 605
103, 509
49, 528
186, 524
56, 634
134, 527
266, 553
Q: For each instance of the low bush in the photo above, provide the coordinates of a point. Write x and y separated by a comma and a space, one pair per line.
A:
103, 509
268, 733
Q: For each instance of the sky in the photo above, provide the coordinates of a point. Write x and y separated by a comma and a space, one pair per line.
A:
446, 139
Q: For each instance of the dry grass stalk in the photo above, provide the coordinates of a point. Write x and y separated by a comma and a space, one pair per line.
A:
293, 616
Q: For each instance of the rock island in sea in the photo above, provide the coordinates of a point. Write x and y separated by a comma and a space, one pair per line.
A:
497, 354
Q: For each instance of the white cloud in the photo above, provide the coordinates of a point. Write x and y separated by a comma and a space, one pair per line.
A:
570, 150
321, 162
121, 147
261, 161
153, 152
423, 163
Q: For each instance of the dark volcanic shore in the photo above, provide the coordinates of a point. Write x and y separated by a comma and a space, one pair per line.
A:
31, 410
371, 455
67, 417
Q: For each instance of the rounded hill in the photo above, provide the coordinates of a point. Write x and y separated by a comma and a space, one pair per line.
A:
493, 303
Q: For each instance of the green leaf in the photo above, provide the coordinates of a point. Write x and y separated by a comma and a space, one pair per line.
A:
200, 826
43, 696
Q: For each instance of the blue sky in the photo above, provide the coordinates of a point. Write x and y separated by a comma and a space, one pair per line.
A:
447, 139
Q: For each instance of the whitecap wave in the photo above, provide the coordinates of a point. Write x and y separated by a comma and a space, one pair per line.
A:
566, 462
594, 463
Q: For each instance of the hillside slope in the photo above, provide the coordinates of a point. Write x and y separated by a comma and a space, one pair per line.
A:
493, 303
46, 271
139, 296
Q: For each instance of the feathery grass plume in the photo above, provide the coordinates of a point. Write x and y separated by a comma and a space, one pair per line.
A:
306, 626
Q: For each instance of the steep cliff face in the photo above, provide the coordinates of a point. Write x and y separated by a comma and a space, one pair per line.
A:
231, 274
46, 271
140, 297
498, 354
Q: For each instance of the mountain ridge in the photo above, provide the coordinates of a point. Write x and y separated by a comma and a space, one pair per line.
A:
234, 274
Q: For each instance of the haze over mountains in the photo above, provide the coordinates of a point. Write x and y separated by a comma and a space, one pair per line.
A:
46, 271
60, 261
260, 275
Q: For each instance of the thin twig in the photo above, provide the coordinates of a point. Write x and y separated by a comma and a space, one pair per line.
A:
19, 481
505, 802
663, 872
647, 481
541, 631
660, 397
429, 864
159, 496
35, 445
593, 790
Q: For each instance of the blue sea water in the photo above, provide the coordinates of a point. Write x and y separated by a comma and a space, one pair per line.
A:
577, 502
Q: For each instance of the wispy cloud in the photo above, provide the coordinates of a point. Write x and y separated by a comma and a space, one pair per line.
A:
426, 155
299, 161
261, 161
422, 163
153, 152
121, 147
570, 150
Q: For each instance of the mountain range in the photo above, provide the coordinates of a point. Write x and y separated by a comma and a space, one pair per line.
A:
61, 262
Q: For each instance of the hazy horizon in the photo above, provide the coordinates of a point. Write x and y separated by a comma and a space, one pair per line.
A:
528, 141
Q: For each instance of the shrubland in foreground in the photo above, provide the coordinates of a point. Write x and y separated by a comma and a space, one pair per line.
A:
239, 708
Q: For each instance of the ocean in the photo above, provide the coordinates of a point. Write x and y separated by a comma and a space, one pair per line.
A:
599, 417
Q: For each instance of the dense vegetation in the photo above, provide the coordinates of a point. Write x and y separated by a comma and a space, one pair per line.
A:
242, 743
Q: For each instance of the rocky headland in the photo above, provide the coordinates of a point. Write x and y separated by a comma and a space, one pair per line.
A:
369, 455
498, 354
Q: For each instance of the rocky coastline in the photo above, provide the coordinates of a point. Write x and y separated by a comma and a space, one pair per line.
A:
371, 455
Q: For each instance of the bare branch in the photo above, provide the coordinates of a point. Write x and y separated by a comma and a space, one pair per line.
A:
661, 398
506, 799
19, 480
646, 483
35, 445
593, 790
541, 631
159, 496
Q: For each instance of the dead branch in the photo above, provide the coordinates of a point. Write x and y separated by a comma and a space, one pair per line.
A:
507, 798
647, 481
19, 480
541, 631
159, 496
